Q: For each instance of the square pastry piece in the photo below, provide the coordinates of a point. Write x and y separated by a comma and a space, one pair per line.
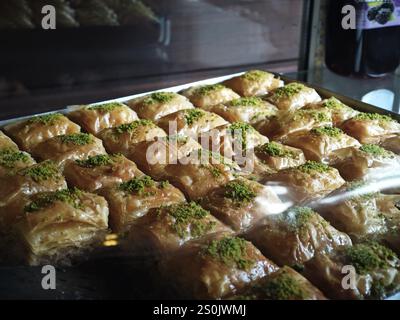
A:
12, 160
278, 156
277, 128
16, 188
369, 271
293, 237
77, 146
319, 143
165, 229
95, 118
253, 83
339, 111
241, 203
308, 181
293, 96
250, 110
216, 269
100, 171
124, 138
392, 144
208, 95
59, 225
29, 133
6, 142
371, 127
132, 199
367, 162
284, 284
190, 122
159, 104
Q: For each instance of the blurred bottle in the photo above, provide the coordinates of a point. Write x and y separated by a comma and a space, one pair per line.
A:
372, 48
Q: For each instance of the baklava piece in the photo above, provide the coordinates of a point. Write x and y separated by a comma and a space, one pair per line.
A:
77, 146
29, 133
284, 284
164, 230
339, 111
278, 156
293, 96
100, 171
155, 155
308, 181
250, 110
208, 95
365, 163
362, 271
253, 83
159, 104
132, 199
190, 122
277, 128
294, 236
12, 160
95, 118
6, 142
58, 226
392, 144
371, 127
318, 143
241, 203
124, 138
200, 172
217, 269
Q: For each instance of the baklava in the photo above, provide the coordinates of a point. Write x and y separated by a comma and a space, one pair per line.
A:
208, 95
6, 142
392, 144
12, 160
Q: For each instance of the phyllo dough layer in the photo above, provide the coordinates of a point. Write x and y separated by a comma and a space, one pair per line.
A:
392, 144
6, 142
208, 95
12, 160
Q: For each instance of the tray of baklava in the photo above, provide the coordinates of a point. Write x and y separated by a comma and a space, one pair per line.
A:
249, 186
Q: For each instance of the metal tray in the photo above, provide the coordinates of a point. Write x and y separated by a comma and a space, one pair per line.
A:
110, 274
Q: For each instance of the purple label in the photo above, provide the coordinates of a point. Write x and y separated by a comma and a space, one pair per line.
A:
378, 14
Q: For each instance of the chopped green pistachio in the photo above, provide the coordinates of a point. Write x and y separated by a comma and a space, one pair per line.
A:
130, 127
47, 119
204, 90
246, 102
96, 161
164, 184
289, 90
367, 257
159, 97
242, 129
333, 103
231, 251
79, 139
9, 157
137, 185
327, 131
373, 116
274, 149
45, 200
284, 287
318, 116
302, 216
192, 115
106, 107
376, 151
313, 166
255, 75
239, 192
41, 172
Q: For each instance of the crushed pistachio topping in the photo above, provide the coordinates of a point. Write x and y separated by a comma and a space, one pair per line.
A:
367, 257
355, 186
327, 131
313, 166
274, 149
106, 107
137, 185
190, 215
242, 129
373, 116
246, 102
204, 90
239, 192
97, 161
318, 116
231, 251
130, 127
9, 157
159, 97
284, 287
41, 172
255, 75
376, 151
78, 139
47, 119
289, 90
193, 115
300, 217
70, 196
333, 103
164, 184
